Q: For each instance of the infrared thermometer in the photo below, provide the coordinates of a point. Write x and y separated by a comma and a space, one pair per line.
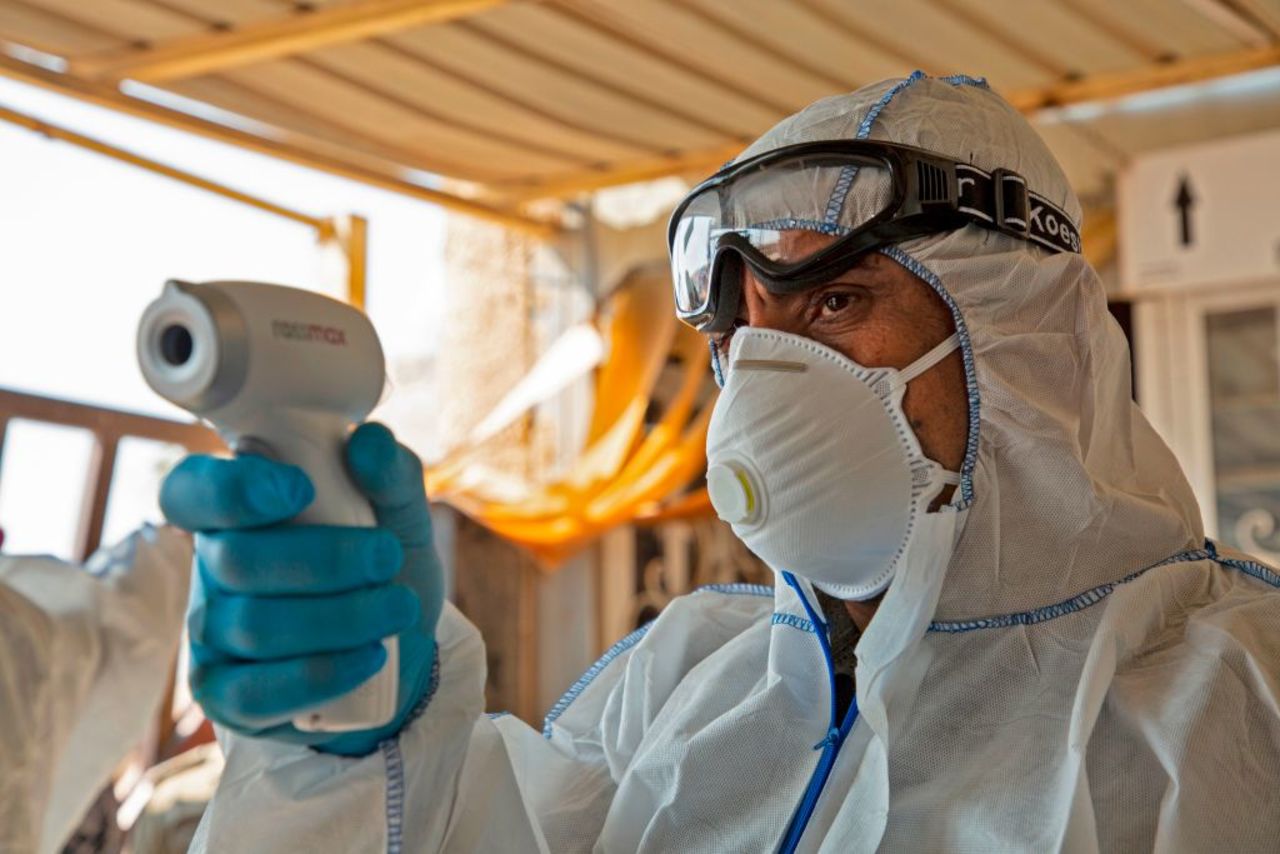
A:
284, 373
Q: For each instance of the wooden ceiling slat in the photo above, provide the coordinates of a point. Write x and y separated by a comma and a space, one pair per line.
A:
462, 124
235, 12
753, 23
970, 47
284, 35
286, 114
539, 34
31, 25
383, 66
621, 139
1174, 28
130, 20
1140, 44
1265, 12
908, 56
1005, 36
457, 152
481, 60
696, 49
826, 41
1229, 19
1062, 39
294, 118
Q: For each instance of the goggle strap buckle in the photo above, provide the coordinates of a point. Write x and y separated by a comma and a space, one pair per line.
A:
1001, 200
1012, 202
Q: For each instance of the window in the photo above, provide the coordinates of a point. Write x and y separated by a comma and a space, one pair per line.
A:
1244, 390
42, 486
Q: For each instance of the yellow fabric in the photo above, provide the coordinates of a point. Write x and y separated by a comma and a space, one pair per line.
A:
624, 474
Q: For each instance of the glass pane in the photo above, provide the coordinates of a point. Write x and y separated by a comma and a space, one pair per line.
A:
43, 475
1244, 387
141, 465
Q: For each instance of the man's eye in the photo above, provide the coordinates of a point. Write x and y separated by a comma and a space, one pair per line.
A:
836, 302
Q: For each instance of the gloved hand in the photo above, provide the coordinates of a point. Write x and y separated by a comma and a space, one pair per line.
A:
283, 618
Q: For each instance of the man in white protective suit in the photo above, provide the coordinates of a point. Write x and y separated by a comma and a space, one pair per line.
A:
85, 654
997, 624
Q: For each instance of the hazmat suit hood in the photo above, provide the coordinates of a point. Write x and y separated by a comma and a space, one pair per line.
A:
1061, 463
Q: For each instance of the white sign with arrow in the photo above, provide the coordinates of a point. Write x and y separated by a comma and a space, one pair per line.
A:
1202, 215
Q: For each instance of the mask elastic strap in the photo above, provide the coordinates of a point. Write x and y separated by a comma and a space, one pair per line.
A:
927, 361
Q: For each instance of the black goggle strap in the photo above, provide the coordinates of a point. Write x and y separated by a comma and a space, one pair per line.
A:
1001, 200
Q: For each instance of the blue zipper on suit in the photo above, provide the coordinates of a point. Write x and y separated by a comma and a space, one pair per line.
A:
837, 732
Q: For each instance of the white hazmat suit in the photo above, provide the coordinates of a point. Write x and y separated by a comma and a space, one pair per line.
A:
1081, 672
85, 653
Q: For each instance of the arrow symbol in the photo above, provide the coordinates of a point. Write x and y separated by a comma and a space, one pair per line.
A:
1184, 202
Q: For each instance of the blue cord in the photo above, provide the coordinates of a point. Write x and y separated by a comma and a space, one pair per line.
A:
836, 734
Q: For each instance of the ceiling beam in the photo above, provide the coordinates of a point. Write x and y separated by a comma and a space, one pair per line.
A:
1105, 87
299, 32
291, 148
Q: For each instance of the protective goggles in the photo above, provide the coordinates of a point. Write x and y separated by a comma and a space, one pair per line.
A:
865, 195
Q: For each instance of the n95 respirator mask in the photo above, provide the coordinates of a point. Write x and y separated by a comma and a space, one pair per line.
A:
812, 461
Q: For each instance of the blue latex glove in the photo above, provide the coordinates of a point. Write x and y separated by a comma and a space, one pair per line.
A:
282, 617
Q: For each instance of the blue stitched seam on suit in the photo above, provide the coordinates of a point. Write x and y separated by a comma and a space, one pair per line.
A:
793, 621
1059, 609
839, 195
592, 672
736, 589
394, 762
788, 223
1251, 568
395, 794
